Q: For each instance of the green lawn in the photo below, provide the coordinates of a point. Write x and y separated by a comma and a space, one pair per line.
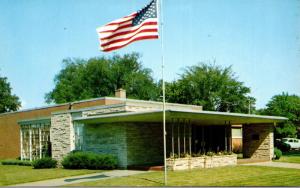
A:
12, 174
225, 176
290, 157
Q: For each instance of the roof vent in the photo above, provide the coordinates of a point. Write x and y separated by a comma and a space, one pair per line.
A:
120, 93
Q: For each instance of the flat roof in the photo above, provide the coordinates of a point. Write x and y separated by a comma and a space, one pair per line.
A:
199, 117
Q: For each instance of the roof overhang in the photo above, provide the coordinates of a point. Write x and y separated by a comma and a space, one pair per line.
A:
197, 117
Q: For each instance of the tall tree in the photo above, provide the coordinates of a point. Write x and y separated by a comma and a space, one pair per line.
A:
8, 101
82, 79
288, 106
213, 87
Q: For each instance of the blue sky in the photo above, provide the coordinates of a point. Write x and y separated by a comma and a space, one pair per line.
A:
260, 39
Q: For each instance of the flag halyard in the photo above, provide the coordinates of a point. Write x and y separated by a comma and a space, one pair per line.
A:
137, 26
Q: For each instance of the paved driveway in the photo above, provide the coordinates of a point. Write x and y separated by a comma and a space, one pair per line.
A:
275, 164
82, 178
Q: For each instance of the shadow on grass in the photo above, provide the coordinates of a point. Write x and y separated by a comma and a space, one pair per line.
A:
84, 178
294, 153
153, 181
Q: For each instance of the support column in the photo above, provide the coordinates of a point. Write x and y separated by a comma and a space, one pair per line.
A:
173, 138
21, 144
184, 124
226, 130
30, 144
40, 142
202, 144
190, 137
229, 138
178, 138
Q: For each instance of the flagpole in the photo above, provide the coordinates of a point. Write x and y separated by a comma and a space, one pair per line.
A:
160, 16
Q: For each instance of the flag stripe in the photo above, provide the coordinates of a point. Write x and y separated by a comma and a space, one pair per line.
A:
130, 30
136, 39
128, 34
137, 35
103, 32
136, 26
127, 38
120, 20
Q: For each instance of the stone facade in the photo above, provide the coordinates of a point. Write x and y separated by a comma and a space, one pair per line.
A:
258, 141
133, 144
144, 144
106, 139
105, 110
62, 135
201, 162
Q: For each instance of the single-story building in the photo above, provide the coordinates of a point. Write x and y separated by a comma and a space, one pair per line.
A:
132, 131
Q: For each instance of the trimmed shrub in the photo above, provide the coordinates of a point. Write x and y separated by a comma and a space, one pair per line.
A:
277, 153
16, 162
89, 160
46, 162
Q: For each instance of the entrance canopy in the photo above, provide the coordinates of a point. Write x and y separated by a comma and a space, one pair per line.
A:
198, 117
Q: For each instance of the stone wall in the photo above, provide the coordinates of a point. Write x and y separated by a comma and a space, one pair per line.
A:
133, 144
106, 139
144, 144
201, 162
258, 141
104, 110
61, 135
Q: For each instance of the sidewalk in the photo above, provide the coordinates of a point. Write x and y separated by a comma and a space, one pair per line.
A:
82, 178
275, 164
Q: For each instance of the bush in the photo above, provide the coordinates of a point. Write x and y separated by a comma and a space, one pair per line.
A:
46, 162
277, 153
282, 146
16, 162
89, 160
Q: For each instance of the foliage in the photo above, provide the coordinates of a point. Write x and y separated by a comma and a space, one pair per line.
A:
287, 106
277, 153
16, 162
199, 154
46, 162
213, 87
97, 77
282, 146
89, 160
8, 101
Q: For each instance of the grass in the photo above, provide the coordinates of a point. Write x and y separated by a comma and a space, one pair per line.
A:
290, 157
225, 176
12, 174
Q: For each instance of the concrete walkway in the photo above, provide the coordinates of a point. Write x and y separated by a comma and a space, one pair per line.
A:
275, 164
82, 178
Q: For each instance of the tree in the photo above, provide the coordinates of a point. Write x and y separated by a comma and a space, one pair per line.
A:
96, 77
287, 106
213, 87
8, 101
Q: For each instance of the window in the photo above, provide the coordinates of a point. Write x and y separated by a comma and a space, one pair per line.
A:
237, 132
78, 130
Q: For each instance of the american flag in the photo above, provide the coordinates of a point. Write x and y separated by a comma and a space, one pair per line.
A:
136, 26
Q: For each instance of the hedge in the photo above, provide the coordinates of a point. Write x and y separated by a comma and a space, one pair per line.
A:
46, 162
89, 160
16, 162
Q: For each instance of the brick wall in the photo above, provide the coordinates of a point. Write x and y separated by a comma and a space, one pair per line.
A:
258, 141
